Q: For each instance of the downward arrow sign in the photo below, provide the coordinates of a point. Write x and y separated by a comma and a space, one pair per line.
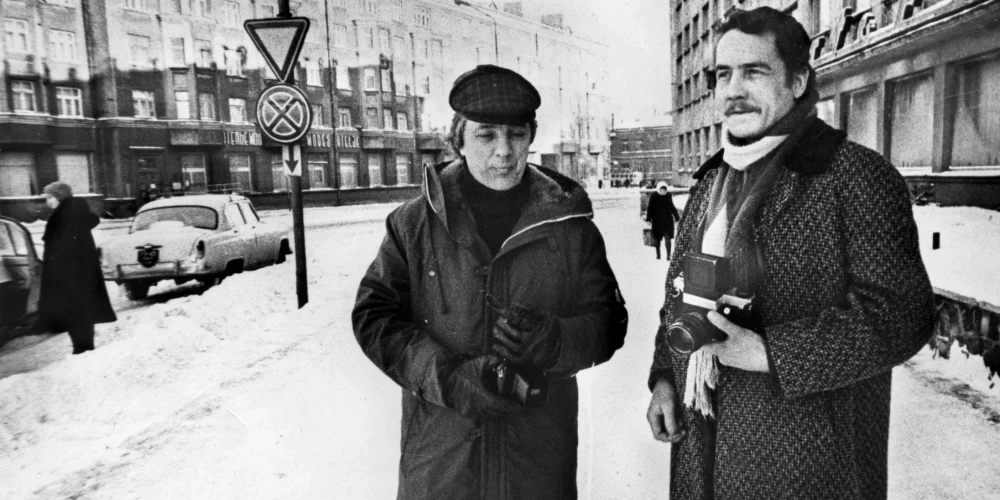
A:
291, 154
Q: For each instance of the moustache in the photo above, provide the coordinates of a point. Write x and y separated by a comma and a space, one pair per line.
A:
739, 107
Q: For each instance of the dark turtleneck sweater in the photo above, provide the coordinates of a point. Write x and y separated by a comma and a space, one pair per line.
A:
495, 212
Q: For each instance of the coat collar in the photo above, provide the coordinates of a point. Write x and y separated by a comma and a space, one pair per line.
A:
553, 197
808, 153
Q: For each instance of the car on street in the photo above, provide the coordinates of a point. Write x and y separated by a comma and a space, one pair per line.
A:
20, 278
201, 237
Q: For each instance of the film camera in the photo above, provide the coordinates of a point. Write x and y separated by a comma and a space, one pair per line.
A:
525, 384
709, 282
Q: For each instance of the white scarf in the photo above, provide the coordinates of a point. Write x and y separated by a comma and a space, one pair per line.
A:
703, 372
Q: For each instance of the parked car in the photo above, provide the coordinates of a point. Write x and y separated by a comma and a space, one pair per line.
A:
201, 237
20, 278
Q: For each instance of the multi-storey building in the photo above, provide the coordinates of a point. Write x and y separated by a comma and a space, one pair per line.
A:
127, 97
915, 80
644, 150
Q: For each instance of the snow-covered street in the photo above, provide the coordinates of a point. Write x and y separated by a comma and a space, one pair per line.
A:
235, 393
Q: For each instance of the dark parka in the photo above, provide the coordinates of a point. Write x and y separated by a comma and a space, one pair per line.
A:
845, 298
662, 213
73, 290
422, 301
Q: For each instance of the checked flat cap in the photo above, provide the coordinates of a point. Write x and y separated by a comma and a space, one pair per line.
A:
491, 94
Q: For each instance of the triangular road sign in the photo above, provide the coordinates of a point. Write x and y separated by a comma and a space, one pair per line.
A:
279, 40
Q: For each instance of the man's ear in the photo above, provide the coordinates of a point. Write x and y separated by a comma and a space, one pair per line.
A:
800, 79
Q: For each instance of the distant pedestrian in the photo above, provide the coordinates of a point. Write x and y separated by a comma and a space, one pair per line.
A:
600, 184
662, 214
73, 296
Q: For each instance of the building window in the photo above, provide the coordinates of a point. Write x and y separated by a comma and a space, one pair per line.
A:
23, 94
144, 104
825, 110
279, 180
340, 36
370, 7
193, 170
422, 16
136, 4
313, 74
437, 51
369, 40
237, 110
239, 171
426, 85
912, 112
387, 119
206, 106
401, 122
139, 50
397, 10
862, 107
383, 40
317, 170
343, 78
375, 170
62, 45
17, 174
204, 53
15, 35
235, 61
74, 169
69, 100
386, 80
177, 56
317, 115
183, 102
344, 117
371, 80
348, 170
976, 121
403, 162
230, 13
200, 7
399, 47
371, 118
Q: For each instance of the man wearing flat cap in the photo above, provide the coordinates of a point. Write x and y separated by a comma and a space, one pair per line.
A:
495, 273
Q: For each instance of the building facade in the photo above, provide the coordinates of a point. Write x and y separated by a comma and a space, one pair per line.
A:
643, 150
131, 98
915, 80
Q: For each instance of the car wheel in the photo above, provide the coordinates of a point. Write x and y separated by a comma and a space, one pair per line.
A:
136, 290
283, 250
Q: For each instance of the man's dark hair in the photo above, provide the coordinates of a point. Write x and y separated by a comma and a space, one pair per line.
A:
456, 141
790, 37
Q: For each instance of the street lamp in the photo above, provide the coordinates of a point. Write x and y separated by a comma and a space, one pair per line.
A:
496, 48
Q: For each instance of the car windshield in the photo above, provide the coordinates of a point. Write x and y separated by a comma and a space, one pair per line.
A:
200, 217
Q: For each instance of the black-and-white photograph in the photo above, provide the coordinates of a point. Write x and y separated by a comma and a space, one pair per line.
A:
499, 249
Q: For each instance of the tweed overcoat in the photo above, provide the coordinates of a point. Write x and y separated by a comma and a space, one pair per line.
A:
73, 291
845, 298
422, 302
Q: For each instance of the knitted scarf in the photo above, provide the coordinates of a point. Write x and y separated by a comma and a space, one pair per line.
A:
739, 190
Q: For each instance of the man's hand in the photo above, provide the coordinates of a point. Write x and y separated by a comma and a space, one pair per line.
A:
662, 414
526, 336
744, 349
465, 391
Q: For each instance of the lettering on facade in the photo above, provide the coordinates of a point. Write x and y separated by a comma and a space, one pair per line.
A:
315, 140
243, 138
347, 141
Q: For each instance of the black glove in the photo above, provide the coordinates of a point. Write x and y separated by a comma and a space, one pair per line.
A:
527, 336
464, 388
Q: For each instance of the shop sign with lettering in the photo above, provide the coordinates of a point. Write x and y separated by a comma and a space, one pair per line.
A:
243, 138
347, 141
318, 140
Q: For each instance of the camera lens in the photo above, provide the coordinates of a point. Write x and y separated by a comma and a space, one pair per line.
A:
690, 331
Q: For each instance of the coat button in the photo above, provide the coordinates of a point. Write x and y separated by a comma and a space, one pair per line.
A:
432, 273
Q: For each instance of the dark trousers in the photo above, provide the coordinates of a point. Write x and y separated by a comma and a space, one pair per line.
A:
666, 245
83, 338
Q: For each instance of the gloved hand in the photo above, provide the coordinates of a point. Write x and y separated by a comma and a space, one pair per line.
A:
527, 336
464, 389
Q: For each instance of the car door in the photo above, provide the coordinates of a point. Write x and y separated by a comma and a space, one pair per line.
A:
263, 252
245, 239
20, 274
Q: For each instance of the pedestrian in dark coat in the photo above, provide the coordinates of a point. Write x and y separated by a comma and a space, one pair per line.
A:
73, 297
798, 406
661, 214
490, 235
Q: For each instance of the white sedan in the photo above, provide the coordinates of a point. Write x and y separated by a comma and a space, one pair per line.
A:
202, 237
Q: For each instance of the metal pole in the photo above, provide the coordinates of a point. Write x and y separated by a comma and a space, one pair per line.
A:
298, 227
496, 45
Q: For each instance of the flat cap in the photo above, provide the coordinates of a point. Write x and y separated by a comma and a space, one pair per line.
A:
491, 94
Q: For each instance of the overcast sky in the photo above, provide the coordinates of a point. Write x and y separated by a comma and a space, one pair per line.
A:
637, 33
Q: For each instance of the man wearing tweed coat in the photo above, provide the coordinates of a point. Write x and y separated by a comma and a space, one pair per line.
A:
798, 408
